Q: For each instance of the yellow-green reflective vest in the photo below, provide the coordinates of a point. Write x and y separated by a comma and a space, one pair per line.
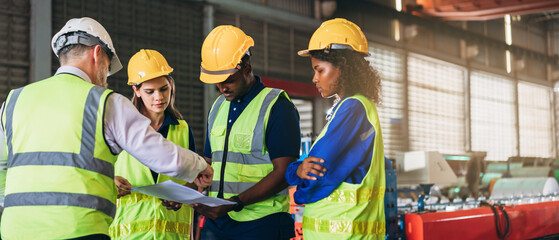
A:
59, 183
140, 216
352, 211
247, 156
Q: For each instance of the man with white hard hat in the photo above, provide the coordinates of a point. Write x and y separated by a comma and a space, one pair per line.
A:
63, 135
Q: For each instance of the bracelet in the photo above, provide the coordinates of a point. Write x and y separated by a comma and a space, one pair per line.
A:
239, 206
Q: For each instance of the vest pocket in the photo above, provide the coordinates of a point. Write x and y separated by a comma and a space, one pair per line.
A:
218, 137
242, 142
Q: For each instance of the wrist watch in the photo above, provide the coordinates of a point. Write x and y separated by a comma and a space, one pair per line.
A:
239, 206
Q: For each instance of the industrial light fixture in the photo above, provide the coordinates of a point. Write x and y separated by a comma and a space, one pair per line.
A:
508, 33
398, 5
508, 41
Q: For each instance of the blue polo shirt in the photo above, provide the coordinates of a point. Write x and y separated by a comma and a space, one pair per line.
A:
283, 135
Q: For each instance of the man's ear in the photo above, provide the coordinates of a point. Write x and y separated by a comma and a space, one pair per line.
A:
97, 54
247, 69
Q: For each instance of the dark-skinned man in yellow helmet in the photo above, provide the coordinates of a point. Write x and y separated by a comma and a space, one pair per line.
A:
253, 135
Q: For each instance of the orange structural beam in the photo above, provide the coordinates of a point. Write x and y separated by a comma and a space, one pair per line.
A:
527, 221
467, 10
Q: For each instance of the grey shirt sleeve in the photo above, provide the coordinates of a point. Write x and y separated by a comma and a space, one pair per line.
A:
126, 129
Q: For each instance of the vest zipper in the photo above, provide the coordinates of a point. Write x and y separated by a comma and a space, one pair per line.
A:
223, 163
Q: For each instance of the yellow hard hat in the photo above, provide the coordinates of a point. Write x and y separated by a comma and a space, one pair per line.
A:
337, 33
222, 51
146, 65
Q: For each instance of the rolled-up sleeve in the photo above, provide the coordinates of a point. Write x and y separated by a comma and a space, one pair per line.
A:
126, 129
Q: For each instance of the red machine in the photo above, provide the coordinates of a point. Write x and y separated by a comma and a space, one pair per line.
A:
527, 221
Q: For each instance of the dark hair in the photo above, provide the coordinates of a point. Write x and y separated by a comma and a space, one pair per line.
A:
245, 59
171, 109
357, 76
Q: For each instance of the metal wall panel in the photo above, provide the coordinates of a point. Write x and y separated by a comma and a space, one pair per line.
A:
280, 52
424, 37
537, 36
274, 54
302, 65
476, 27
519, 34
496, 29
14, 45
255, 29
172, 27
303, 7
447, 44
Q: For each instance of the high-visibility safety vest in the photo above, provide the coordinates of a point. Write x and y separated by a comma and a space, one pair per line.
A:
352, 211
59, 183
247, 160
140, 216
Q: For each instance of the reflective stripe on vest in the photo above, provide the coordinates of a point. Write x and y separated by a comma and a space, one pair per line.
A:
176, 224
355, 197
247, 161
83, 160
352, 211
58, 198
140, 216
158, 225
343, 227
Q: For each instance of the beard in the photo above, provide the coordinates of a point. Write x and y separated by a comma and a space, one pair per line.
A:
101, 78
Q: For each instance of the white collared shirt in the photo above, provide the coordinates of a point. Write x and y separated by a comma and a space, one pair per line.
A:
127, 129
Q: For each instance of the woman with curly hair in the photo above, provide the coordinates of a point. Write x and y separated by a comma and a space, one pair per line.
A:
342, 181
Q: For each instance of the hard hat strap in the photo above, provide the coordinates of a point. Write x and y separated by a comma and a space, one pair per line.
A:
339, 46
82, 38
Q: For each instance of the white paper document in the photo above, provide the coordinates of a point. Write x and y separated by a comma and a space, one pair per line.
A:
175, 192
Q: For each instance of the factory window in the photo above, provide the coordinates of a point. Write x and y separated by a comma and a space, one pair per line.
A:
493, 116
436, 105
305, 109
389, 64
534, 113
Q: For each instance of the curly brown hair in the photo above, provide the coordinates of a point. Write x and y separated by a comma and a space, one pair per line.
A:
357, 76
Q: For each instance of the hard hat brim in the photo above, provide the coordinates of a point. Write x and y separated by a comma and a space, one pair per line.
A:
115, 65
213, 78
304, 53
151, 76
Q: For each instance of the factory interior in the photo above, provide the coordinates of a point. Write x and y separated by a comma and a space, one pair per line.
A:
469, 107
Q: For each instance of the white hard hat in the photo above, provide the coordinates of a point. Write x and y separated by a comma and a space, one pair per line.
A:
86, 31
